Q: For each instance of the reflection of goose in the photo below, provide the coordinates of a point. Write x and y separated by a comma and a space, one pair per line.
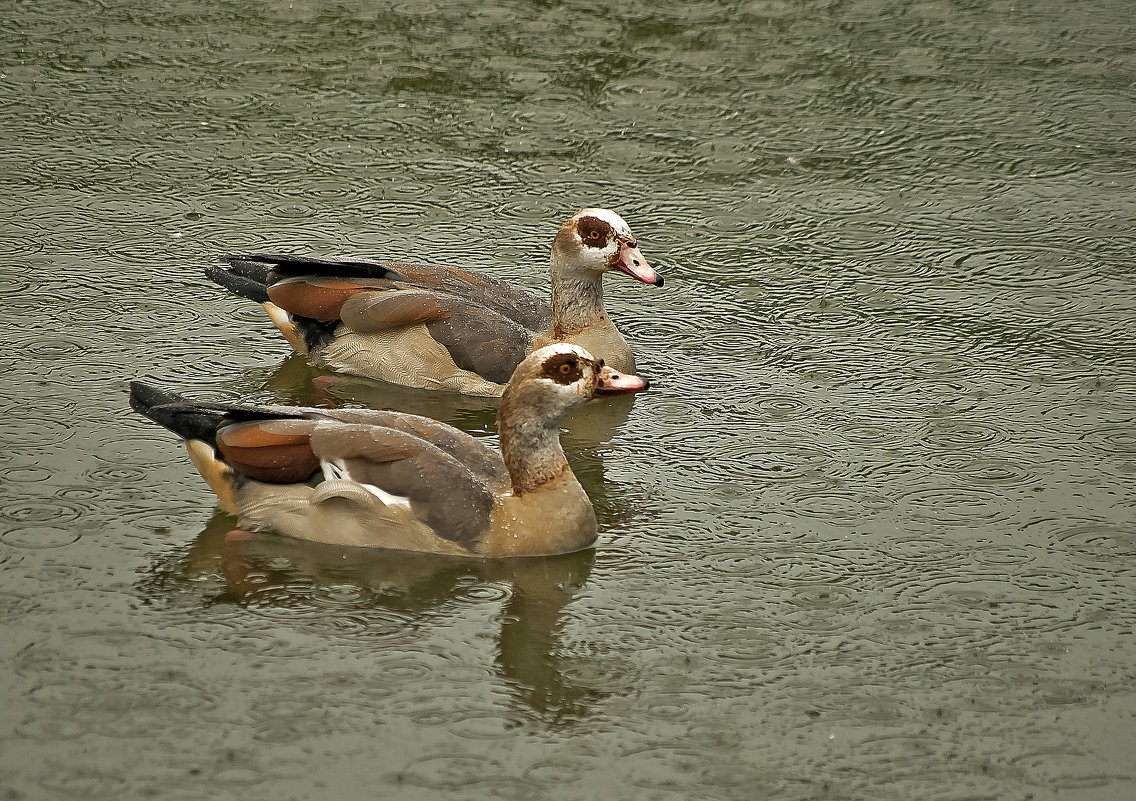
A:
278, 570
433, 327
393, 480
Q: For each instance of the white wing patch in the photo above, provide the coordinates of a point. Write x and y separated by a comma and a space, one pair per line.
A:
338, 470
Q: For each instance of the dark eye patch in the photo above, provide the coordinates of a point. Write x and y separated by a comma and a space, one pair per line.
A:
594, 232
563, 368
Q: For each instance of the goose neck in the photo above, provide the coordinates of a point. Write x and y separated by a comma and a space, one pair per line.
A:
577, 300
530, 444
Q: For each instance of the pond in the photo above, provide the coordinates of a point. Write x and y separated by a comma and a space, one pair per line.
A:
870, 535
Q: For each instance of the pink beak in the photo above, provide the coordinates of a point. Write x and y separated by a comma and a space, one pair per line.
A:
615, 383
631, 261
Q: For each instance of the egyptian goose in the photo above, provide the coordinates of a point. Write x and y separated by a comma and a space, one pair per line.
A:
394, 480
433, 327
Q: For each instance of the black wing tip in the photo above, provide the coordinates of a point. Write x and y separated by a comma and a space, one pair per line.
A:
240, 280
144, 397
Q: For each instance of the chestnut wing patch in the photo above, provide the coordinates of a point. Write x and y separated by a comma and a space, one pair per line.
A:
321, 298
381, 311
274, 451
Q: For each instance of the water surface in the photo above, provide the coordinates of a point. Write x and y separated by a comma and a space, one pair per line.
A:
870, 535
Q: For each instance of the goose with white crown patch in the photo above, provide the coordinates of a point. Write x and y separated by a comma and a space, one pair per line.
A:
384, 479
434, 327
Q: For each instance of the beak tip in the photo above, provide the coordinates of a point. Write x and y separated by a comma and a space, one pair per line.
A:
626, 384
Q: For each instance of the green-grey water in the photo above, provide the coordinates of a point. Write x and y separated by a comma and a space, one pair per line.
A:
869, 536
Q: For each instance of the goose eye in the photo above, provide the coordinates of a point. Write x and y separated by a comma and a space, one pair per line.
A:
565, 368
594, 234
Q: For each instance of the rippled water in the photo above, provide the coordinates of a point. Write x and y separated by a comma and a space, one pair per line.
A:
870, 537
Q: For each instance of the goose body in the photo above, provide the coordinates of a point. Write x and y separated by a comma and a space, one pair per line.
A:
393, 480
434, 327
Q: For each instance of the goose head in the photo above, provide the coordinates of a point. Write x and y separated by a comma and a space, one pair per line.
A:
546, 386
555, 379
594, 241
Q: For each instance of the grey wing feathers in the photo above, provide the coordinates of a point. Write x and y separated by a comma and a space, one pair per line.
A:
479, 339
443, 493
478, 458
484, 342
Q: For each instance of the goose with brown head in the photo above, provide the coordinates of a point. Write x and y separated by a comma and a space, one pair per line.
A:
434, 327
383, 479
